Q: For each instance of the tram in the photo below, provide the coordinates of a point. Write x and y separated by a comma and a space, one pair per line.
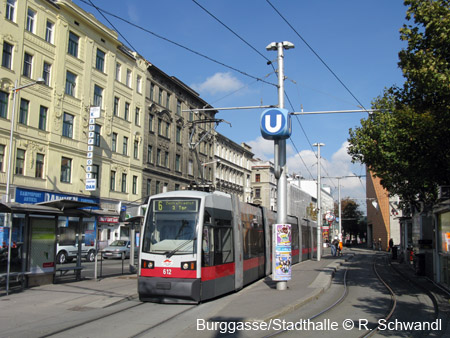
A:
199, 245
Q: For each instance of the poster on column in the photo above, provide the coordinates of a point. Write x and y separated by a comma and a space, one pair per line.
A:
283, 252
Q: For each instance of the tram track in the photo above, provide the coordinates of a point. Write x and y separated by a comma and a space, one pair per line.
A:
394, 288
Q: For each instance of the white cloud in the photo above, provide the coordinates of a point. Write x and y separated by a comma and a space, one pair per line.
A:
305, 164
218, 83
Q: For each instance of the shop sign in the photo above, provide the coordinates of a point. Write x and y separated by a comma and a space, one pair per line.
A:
108, 219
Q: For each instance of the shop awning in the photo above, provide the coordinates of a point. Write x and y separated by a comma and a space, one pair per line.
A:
67, 204
20, 208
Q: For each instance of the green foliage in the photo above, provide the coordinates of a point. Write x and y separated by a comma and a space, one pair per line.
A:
407, 143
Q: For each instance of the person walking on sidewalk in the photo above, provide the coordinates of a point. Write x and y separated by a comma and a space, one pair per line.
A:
341, 246
334, 247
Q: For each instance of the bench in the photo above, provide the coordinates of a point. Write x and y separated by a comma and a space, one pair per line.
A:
65, 269
18, 276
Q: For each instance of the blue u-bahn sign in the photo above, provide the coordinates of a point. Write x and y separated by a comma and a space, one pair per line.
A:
276, 124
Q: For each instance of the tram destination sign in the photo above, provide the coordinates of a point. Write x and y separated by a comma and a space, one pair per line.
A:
175, 205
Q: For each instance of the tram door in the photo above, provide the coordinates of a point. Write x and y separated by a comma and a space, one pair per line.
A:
217, 258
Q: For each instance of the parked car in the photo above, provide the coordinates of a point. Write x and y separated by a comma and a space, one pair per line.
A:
66, 253
118, 249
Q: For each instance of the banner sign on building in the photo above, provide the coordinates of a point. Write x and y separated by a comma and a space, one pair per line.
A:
91, 182
282, 261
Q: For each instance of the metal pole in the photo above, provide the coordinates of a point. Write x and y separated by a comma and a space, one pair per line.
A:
281, 145
340, 209
319, 205
8, 179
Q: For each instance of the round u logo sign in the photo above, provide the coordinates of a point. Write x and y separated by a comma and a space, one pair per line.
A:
275, 124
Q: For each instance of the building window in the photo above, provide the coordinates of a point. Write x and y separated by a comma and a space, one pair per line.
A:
67, 125
31, 16
11, 10
258, 178
137, 116
159, 127
71, 81
166, 159
7, 55
158, 187
149, 187
139, 84
2, 156
128, 78
3, 104
136, 150
125, 146
49, 31
177, 187
178, 162
27, 64
178, 107
149, 154
23, 113
160, 94
116, 106
98, 96
191, 168
118, 67
152, 89
100, 60
135, 178
97, 133
39, 172
258, 193
158, 156
150, 123
46, 69
167, 100
20, 161
178, 135
127, 111
114, 142
43, 118
124, 182
112, 181
167, 129
73, 44
66, 168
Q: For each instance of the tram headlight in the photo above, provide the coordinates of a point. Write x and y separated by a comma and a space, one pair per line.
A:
147, 264
188, 265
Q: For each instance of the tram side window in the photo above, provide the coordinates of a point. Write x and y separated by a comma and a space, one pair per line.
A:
217, 246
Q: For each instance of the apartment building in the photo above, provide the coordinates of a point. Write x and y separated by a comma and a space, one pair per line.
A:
178, 139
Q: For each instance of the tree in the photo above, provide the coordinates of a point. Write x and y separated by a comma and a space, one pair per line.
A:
407, 142
351, 217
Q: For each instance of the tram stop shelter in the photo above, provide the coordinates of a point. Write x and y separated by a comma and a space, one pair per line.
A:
28, 252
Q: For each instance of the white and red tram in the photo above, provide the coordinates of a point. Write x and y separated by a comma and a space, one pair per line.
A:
199, 245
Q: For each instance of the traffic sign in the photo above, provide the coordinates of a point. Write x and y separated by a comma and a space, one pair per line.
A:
276, 124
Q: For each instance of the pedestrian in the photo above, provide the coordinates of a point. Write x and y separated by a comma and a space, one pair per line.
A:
340, 248
391, 244
333, 247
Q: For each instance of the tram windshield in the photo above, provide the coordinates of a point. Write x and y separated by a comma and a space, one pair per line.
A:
170, 228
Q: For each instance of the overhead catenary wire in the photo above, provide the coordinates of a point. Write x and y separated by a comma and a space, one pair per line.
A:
315, 53
181, 46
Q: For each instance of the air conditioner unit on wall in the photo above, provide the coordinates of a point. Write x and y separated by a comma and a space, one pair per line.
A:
443, 192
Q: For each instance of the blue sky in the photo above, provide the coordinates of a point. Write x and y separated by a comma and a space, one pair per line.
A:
358, 39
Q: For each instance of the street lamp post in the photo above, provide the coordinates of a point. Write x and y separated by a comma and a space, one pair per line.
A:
319, 206
15, 90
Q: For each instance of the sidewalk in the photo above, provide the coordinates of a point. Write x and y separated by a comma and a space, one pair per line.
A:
259, 301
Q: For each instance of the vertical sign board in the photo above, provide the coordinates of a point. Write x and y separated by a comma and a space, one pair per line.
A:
282, 236
91, 182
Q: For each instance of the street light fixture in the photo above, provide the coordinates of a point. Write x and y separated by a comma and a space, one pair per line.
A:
15, 90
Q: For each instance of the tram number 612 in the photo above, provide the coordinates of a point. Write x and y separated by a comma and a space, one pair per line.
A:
167, 271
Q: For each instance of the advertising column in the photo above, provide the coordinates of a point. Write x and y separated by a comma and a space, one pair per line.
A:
283, 256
